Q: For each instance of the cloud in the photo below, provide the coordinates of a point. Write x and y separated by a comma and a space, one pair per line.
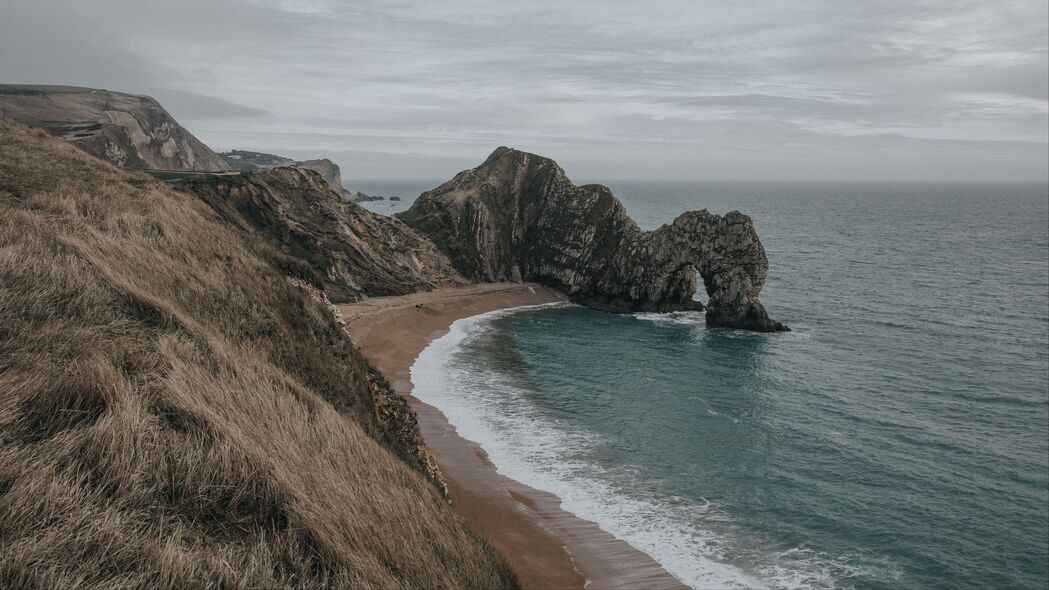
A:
185, 105
606, 87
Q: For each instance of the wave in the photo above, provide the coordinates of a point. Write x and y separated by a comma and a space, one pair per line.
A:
675, 318
493, 409
697, 319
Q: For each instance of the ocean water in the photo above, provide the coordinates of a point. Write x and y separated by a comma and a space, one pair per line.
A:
897, 438
407, 190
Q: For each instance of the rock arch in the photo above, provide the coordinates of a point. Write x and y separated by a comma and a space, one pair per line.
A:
726, 253
517, 216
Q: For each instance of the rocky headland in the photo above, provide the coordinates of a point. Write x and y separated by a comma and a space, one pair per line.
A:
126, 130
247, 161
186, 395
311, 233
518, 217
255, 162
515, 217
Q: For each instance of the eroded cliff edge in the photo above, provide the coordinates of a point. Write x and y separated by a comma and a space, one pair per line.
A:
517, 216
256, 162
309, 232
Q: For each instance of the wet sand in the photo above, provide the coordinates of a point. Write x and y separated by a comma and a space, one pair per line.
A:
546, 546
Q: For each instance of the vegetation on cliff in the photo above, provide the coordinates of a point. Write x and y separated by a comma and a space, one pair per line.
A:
306, 230
176, 413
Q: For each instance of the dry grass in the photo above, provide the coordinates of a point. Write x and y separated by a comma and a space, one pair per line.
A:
173, 413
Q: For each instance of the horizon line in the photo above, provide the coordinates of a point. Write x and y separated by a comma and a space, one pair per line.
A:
752, 180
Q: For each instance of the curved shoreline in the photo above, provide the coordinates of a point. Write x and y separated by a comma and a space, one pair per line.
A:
545, 545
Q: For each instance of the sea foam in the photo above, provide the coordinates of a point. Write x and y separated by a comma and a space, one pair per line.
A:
535, 449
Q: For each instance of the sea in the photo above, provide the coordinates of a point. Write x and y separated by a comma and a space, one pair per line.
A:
898, 437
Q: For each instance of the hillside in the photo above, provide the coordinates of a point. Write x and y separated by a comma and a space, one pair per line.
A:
313, 234
176, 413
125, 130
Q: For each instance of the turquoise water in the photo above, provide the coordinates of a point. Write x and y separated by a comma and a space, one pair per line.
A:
898, 437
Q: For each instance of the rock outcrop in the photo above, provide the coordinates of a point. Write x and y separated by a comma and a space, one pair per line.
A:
255, 162
246, 161
126, 130
313, 234
519, 217
174, 413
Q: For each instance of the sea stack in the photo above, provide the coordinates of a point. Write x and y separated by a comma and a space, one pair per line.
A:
518, 217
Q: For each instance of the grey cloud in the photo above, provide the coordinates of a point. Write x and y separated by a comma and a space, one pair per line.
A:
799, 89
192, 106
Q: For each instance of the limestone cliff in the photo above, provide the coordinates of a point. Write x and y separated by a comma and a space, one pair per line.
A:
126, 130
338, 246
519, 217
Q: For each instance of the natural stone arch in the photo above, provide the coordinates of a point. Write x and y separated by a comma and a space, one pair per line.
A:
726, 253
517, 216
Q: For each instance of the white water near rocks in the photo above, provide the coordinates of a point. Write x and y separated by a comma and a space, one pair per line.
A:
529, 447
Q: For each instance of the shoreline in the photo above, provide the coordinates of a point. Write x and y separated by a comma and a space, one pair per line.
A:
546, 546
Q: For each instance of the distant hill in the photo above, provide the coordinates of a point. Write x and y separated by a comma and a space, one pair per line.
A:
126, 130
248, 161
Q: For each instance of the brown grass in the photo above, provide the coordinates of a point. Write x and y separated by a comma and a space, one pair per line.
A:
174, 413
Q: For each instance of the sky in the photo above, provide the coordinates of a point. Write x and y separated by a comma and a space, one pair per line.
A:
675, 89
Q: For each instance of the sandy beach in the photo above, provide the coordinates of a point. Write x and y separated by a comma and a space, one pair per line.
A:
546, 546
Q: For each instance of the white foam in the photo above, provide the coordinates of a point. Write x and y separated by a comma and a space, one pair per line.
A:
676, 318
537, 450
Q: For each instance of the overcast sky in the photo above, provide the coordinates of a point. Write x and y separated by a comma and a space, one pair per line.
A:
808, 89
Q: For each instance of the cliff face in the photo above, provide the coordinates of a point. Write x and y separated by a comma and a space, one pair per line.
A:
311, 233
518, 217
123, 129
261, 162
328, 170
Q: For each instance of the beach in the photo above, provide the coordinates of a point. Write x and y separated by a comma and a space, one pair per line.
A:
546, 546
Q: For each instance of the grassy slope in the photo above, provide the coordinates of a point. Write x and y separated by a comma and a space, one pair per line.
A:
174, 413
